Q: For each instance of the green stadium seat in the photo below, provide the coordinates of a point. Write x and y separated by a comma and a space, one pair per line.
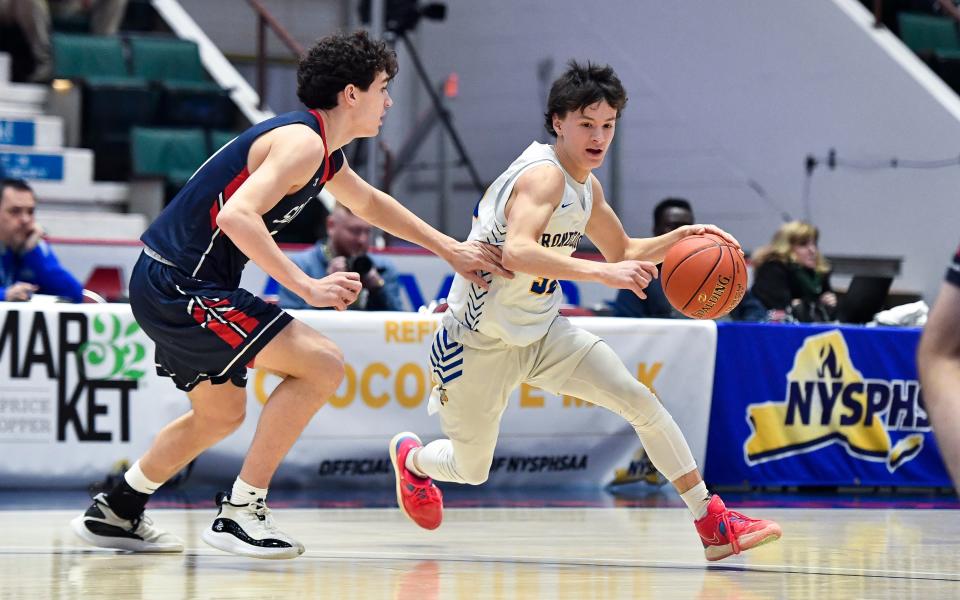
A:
928, 33
190, 97
82, 56
173, 154
166, 59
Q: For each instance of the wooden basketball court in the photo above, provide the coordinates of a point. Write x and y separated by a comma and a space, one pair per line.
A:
613, 552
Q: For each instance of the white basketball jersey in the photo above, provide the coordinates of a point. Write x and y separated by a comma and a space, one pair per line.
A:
519, 311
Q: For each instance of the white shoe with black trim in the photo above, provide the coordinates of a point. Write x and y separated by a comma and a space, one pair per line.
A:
102, 527
249, 530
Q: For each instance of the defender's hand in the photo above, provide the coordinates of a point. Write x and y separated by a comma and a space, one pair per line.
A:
469, 258
338, 291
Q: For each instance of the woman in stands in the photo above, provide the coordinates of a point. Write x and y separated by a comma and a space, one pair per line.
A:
791, 278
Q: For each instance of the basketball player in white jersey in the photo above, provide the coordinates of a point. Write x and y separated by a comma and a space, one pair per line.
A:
492, 340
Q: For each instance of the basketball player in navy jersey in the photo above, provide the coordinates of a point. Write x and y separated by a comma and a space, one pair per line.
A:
938, 362
493, 339
184, 294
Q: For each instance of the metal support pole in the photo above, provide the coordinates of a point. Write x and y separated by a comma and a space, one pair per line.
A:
442, 113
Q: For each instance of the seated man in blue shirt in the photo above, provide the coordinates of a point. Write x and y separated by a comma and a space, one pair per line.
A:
348, 240
27, 263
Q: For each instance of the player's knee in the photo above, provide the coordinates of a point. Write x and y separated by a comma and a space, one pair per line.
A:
225, 420
326, 367
232, 421
650, 414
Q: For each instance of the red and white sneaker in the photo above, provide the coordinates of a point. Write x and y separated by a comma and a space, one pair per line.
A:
417, 497
725, 532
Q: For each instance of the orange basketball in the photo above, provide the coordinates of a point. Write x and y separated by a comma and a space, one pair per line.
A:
704, 276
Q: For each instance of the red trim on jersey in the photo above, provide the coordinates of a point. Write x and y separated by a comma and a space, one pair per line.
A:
227, 192
326, 155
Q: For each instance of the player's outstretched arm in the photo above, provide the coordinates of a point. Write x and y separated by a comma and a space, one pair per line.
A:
938, 361
384, 211
281, 162
534, 198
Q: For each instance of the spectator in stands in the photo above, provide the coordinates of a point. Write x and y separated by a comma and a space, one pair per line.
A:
27, 263
33, 18
938, 362
669, 214
791, 277
346, 248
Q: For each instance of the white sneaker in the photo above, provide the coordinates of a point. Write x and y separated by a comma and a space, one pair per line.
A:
249, 530
102, 527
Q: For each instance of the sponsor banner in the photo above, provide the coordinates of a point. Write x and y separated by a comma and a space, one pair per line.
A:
815, 405
423, 277
80, 395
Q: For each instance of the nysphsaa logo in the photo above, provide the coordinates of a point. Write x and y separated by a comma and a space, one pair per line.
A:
828, 401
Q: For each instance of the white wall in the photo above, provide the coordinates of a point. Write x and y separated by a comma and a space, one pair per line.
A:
721, 94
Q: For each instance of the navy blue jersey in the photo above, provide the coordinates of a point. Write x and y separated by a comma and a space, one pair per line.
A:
186, 232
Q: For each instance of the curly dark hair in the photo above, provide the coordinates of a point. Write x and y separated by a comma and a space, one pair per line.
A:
336, 61
581, 86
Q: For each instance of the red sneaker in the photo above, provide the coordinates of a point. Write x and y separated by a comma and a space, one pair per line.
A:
725, 532
417, 497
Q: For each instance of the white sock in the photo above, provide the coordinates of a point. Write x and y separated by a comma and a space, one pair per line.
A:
697, 499
138, 481
411, 466
244, 493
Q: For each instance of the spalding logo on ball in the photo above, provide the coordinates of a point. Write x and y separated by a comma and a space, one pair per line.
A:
704, 276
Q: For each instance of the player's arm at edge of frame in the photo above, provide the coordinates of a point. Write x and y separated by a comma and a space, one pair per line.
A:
290, 157
938, 365
384, 211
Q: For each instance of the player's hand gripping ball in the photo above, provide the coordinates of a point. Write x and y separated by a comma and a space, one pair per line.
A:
704, 276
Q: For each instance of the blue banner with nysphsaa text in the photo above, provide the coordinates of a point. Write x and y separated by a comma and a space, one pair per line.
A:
819, 405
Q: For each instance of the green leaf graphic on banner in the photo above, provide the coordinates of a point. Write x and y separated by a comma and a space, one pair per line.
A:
116, 328
113, 350
93, 352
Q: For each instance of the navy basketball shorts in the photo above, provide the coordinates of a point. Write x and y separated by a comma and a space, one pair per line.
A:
202, 331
